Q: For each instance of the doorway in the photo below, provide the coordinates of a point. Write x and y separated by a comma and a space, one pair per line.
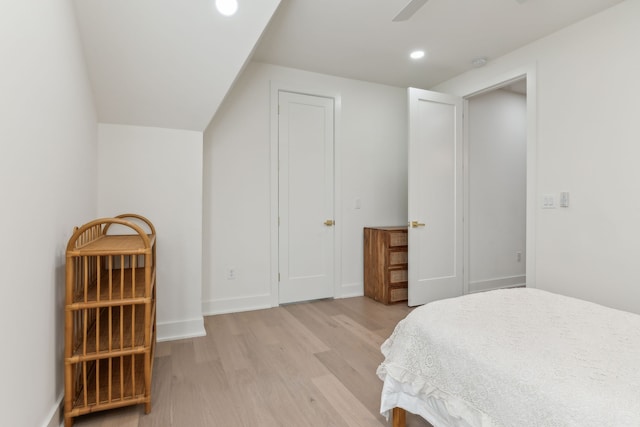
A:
496, 178
420, 221
306, 199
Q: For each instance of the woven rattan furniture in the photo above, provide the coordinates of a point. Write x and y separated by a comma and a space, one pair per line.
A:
110, 319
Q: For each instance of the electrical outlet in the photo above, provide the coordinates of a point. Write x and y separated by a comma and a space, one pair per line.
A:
231, 273
519, 256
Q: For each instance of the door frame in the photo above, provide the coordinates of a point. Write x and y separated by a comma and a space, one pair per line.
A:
528, 72
276, 88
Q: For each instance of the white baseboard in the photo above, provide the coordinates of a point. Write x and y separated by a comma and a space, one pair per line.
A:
261, 302
169, 331
236, 305
351, 290
56, 414
497, 283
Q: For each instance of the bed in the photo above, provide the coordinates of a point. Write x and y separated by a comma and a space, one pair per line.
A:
516, 357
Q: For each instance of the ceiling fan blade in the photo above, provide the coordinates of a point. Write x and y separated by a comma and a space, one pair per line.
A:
408, 11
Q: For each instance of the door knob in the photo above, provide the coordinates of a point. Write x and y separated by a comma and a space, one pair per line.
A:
415, 224
329, 222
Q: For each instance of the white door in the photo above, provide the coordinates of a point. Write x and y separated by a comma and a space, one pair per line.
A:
305, 199
435, 197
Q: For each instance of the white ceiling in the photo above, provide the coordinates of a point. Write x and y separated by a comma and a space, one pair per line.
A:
357, 39
170, 63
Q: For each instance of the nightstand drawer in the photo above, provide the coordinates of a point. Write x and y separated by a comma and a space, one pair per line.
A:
398, 238
398, 276
398, 294
398, 257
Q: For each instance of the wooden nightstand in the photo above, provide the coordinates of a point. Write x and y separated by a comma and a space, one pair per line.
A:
385, 264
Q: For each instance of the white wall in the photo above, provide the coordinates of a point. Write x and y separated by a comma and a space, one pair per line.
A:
157, 173
372, 162
587, 80
48, 138
497, 189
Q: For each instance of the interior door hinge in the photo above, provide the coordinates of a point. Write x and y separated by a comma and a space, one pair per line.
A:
278, 277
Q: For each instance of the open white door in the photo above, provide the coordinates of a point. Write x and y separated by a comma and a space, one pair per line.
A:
435, 196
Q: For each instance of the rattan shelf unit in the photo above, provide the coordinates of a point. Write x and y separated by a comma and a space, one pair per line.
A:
110, 315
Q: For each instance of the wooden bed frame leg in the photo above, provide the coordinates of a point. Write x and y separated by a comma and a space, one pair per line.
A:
399, 417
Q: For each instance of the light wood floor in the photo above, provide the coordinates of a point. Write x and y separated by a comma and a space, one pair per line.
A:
308, 364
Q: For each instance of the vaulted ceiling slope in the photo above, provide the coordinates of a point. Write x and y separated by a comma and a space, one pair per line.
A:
166, 63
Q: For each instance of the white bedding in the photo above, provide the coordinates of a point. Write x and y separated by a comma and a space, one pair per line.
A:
516, 357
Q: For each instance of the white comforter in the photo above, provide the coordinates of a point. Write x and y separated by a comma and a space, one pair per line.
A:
518, 357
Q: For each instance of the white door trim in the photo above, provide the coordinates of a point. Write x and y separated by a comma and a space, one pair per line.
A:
528, 72
277, 87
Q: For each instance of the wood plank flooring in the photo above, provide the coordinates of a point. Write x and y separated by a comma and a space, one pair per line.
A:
307, 364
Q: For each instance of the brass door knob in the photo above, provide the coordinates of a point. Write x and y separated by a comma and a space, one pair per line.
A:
415, 224
329, 222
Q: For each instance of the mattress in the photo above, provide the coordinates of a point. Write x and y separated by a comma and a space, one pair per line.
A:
516, 357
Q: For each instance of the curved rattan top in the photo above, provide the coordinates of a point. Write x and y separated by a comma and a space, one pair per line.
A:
152, 229
97, 229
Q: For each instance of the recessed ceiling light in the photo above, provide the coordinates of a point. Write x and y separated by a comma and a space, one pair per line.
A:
417, 54
227, 7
